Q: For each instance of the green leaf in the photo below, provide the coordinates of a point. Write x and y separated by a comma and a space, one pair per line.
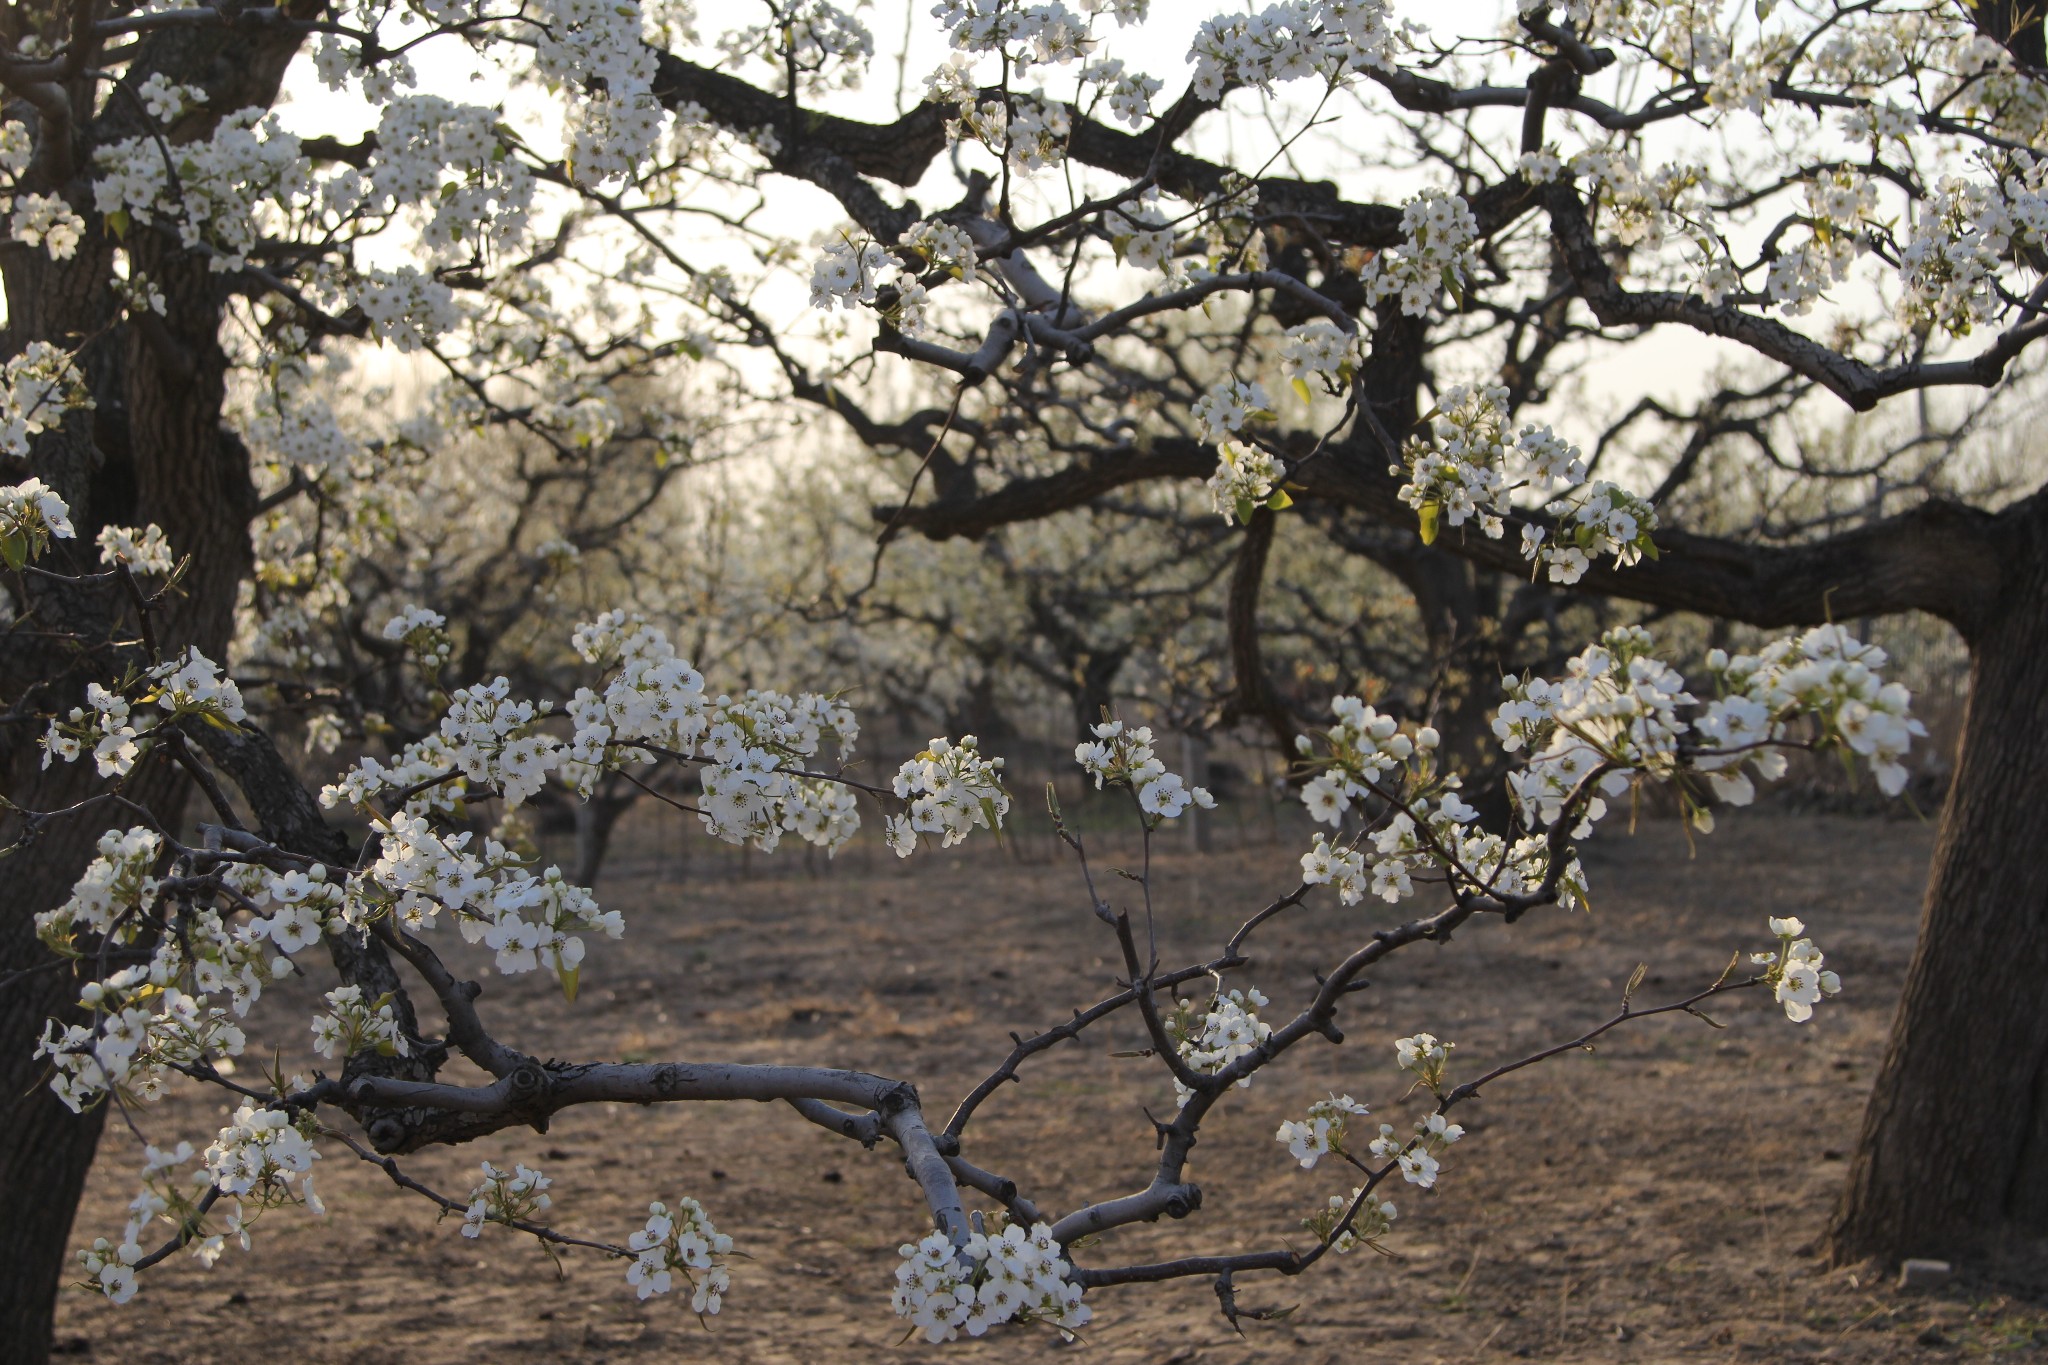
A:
1279, 502
117, 223
1430, 511
1245, 508
14, 549
569, 980
995, 820
1301, 388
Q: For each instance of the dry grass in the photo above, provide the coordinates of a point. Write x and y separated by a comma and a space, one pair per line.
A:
1657, 1200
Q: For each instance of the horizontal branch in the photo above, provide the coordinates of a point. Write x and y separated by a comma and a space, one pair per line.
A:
1860, 385
1940, 557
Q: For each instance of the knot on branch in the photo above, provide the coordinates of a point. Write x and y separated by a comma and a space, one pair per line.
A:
1183, 1200
898, 1098
1555, 82
527, 1082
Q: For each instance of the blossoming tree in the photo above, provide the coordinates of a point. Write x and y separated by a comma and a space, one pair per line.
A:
599, 205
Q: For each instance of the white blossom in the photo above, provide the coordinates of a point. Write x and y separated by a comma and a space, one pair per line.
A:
1014, 1275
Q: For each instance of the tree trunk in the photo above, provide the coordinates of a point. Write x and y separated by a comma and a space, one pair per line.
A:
596, 818
1953, 1160
152, 450
45, 1149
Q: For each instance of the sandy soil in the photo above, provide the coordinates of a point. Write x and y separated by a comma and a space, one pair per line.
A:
1656, 1200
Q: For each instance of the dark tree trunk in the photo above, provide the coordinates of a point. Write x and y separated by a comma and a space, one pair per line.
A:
1953, 1159
596, 818
151, 450
45, 1149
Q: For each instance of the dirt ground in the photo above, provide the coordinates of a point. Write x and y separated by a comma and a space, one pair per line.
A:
1656, 1200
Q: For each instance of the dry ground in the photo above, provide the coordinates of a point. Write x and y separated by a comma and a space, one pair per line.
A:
1657, 1200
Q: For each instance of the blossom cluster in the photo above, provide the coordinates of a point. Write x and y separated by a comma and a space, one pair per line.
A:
1603, 519
1796, 972
1826, 674
1044, 34
824, 45
1435, 254
509, 1197
1640, 206
1418, 1157
1620, 707
1127, 93
951, 789
1445, 844
1246, 479
1427, 829
594, 52
1961, 238
1322, 1132
220, 195
1374, 1220
406, 307
144, 551
355, 1025
1230, 403
38, 385
680, 1241
863, 272
1209, 1037
750, 749
1014, 1275
1290, 40
1841, 204
1028, 132
1335, 865
1466, 467
110, 726
31, 516
46, 221
1123, 757
109, 1266
264, 1154
1425, 1056
1318, 349
1360, 749
143, 1025
1617, 707
448, 162
34, 220
1142, 235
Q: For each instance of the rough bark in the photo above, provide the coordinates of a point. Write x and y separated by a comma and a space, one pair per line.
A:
44, 1147
151, 449
1953, 1159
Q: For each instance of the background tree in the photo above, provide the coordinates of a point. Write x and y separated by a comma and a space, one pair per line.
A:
1609, 225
